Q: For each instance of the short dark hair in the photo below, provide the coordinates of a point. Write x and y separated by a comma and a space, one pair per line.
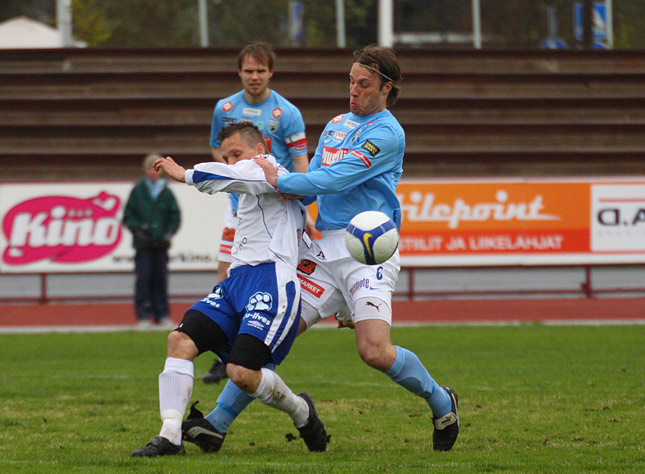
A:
384, 61
249, 133
261, 52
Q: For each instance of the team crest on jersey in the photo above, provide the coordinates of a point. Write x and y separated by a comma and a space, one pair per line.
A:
371, 148
273, 126
227, 106
355, 136
277, 113
350, 124
251, 112
339, 136
260, 125
337, 118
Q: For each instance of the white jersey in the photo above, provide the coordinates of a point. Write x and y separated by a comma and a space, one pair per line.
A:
269, 228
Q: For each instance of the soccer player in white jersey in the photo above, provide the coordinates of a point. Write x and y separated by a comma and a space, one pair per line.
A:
278, 119
284, 132
356, 168
251, 318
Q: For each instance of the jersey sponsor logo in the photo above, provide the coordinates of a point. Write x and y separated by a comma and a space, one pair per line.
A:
227, 106
361, 157
215, 295
228, 234
251, 112
261, 301
257, 321
310, 287
62, 229
332, 155
350, 124
371, 148
339, 136
328, 135
269, 140
337, 118
228, 120
377, 306
277, 112
364, 283
307, 266
273, 126
260, 125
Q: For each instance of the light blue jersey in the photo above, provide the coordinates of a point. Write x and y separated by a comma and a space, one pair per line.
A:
356, 168
278, 119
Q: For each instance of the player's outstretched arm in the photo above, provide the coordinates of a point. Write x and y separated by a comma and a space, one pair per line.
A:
172, 169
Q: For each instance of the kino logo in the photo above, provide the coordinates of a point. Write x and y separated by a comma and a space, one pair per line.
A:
62, 229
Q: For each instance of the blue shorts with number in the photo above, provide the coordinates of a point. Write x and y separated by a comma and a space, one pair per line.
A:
262, 301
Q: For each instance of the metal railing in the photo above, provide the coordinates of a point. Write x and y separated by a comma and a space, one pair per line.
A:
584, 287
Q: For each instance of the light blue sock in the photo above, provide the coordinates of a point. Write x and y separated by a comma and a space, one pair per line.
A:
230, 403
409, 372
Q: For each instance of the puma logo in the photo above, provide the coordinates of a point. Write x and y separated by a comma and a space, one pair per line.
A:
377, 306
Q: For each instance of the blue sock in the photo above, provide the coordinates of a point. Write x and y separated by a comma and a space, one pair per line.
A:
409, 372
230, 403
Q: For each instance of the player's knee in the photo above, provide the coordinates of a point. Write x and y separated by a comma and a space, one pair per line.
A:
374, 355
181, 346
240, 376
302, 327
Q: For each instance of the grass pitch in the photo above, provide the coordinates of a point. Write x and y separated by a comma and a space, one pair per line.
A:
533, 399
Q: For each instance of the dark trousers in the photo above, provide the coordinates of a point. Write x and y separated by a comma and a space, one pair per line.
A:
151, 288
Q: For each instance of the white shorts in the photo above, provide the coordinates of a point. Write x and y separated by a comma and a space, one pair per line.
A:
228, 235
332, 281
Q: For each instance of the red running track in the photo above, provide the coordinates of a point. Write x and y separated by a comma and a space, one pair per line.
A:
408, 312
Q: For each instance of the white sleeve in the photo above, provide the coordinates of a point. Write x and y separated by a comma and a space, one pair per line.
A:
243, 177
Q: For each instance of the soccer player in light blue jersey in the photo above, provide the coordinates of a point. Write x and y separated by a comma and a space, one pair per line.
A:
356, 167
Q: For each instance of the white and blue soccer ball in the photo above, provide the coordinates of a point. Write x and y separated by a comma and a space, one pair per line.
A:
371, 237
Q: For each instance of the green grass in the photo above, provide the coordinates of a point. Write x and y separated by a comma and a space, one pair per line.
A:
533, 399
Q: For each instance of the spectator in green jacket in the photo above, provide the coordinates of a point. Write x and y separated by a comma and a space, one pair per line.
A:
152, 215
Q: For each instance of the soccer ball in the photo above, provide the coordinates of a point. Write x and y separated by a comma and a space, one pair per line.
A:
371, 237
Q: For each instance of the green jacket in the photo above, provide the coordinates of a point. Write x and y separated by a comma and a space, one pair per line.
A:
152, 221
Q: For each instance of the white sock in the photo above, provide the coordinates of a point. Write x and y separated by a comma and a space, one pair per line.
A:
175, 389
273, 392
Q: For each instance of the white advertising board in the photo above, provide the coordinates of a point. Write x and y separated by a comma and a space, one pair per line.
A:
76, 227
